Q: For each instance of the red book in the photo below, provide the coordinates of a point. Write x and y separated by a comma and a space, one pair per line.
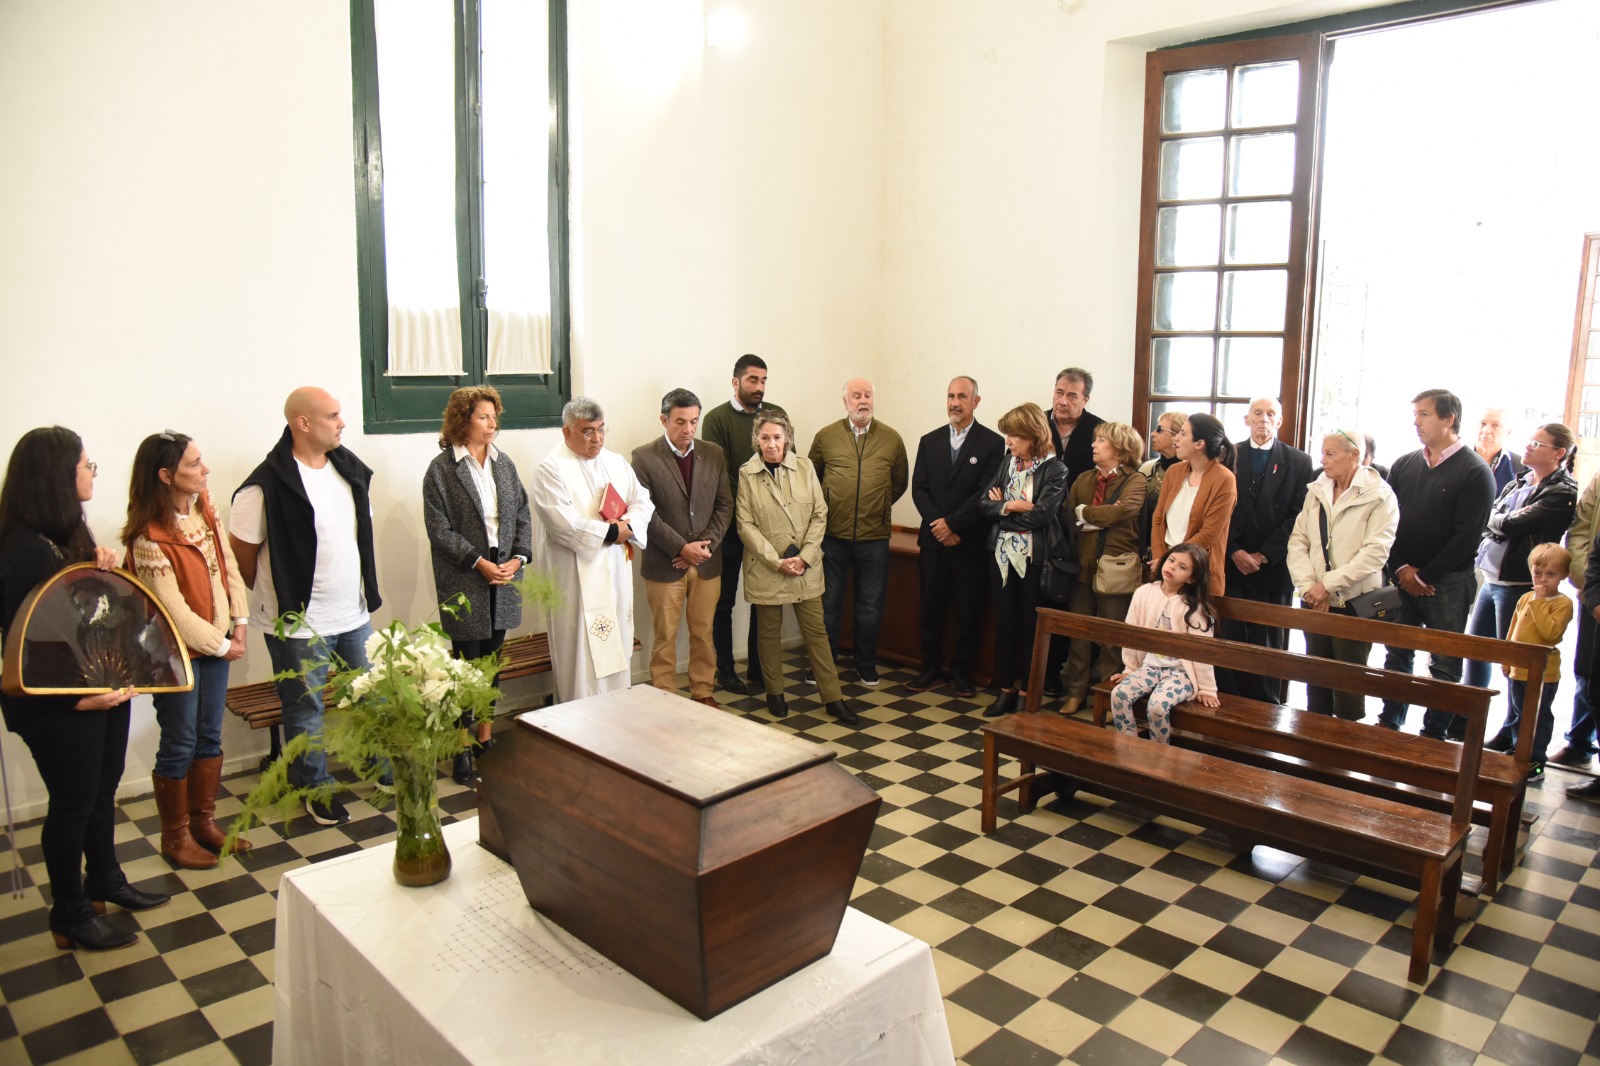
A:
612, 508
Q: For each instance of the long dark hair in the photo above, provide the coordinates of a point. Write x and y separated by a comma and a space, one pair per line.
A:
41, 491
1207, 430
1197, 594
150, 498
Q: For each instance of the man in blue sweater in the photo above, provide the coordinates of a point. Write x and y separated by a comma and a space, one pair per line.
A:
1445, 491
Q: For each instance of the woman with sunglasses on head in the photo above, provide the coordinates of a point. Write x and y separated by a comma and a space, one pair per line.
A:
78, 743
177, 546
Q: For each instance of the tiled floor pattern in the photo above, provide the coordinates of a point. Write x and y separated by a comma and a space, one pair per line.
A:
1084, 932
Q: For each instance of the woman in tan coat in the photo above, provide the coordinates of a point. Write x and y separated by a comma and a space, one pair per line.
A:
782, 516
1197, 496
1106, 504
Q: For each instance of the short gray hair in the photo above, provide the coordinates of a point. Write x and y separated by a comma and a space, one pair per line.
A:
678, 398
769, 417
1349, 440
581, 409
969, 377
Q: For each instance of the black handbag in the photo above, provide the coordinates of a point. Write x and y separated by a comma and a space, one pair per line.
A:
1381, 604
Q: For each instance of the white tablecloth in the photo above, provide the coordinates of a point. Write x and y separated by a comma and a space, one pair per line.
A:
467, 972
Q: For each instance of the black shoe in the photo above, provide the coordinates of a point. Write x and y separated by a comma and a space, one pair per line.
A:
1589, 790
754, 683
1004, 704
1535, 773
841, 710
461, 770
924, 681
867, 675
114, 888
778, 706
1503, 741
729, 681
1052, 687
962, 685
82, 928
330, 813
1570, 756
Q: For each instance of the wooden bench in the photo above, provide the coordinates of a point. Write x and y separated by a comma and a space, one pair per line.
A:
257, 704
1348, 754
1332, 822
1503, 779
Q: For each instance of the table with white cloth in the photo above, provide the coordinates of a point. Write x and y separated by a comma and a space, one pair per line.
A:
466, 971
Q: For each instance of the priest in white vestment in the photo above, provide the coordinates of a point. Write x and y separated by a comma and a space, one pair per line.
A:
588, 557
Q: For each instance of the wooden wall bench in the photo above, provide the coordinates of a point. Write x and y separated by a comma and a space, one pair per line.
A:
1398, 840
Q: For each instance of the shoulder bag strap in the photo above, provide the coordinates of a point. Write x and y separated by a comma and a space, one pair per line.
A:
1100, 542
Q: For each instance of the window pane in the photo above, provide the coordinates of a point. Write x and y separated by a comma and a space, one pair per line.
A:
1188, 236
1250, 366
1258, 233
1186, 301
416, 112
1591, 365
1193, 101
516, 144
1191, 169
1266, 94
1181, 366
1261, 164
1231, 415
1253, 300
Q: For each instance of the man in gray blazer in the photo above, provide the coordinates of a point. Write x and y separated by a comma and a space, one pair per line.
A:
688, 481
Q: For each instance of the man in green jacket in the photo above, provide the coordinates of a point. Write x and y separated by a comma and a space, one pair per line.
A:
728, 426
863, 469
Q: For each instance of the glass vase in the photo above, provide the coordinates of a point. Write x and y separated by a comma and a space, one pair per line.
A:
420, 854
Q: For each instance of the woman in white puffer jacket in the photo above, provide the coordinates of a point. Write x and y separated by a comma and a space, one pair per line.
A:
1362, 515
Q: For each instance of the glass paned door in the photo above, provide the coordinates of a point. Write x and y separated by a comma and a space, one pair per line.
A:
1230, 132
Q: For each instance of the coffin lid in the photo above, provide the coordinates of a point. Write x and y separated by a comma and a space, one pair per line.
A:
680, 747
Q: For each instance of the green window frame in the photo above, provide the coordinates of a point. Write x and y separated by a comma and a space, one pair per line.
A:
414, 404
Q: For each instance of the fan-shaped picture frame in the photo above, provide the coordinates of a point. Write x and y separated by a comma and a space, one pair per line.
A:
86, 631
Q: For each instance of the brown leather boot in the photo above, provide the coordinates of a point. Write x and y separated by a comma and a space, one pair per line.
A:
204, 774
177, 846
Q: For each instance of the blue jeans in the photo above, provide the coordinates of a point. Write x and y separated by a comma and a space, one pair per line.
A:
191, 722
1581, 737
1546, 723
1491, 617
302, 696
1446, 609
870, 560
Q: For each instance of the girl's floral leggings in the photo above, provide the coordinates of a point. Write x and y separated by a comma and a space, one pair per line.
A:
1166, 686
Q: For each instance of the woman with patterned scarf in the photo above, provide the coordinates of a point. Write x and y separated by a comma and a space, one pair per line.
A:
1024, 498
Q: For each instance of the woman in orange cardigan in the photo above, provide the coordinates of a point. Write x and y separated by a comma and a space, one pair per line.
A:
1197, 495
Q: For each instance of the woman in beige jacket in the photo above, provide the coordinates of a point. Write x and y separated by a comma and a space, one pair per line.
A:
1362, 515
782, 517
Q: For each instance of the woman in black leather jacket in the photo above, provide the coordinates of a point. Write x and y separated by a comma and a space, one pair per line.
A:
1023, 498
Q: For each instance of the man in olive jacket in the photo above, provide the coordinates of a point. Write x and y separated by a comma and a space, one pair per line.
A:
863, 468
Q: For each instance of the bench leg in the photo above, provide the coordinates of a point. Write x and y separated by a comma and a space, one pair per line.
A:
1508, 843
277, 749
1025, 797
1422, 933
991, 784
1448, 902
1497, 857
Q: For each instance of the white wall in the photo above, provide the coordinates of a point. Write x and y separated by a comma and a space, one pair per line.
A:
904, 188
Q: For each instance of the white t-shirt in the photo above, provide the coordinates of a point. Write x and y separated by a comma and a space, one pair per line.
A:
1178, 512
337, 603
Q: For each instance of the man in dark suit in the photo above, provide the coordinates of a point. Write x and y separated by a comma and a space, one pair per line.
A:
1072, 428
953, 464
682, 565
1272, 480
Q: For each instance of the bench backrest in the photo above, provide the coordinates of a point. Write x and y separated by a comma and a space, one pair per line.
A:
1530, 657
1465, 700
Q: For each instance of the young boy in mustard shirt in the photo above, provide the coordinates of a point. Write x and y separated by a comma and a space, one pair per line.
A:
1541, 617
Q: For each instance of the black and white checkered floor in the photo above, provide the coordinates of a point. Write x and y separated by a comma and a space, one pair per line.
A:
1084, 932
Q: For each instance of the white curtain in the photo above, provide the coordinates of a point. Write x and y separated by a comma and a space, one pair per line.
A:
516, 146
416, 110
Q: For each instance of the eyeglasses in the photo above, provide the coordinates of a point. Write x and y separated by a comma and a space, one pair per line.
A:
92, 466
169, 434
1349, 438
1535, 445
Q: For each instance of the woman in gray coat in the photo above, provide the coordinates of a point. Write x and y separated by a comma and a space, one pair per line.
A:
481, 531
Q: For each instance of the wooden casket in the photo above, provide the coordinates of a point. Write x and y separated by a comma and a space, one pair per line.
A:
707, 855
